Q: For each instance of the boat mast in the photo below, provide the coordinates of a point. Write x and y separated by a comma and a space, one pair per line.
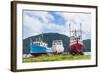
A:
80, 31
30, 44
69, 30
42, 37
69, 35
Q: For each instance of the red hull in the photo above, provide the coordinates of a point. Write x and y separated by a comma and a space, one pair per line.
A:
76, 47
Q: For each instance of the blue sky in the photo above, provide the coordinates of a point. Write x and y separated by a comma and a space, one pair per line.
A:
58, 19
37, 22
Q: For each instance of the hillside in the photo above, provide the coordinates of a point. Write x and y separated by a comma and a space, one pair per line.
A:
48, 38
87, 45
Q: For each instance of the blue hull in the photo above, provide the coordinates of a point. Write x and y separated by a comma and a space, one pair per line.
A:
39, 49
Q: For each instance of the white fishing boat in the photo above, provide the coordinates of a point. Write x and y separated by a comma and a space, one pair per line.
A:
57, 46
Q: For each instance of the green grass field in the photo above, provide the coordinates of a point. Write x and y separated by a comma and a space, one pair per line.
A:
45, 58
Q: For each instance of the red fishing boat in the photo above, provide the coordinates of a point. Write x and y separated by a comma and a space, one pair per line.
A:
76, 43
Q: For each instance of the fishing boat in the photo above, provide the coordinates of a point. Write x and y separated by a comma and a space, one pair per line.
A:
57, 46
39, 47
76, 43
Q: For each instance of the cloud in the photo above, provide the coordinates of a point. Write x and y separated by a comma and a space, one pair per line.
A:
36, 22
58, 19
75, 19
40, 15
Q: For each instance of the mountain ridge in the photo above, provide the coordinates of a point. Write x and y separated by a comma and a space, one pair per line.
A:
49, 37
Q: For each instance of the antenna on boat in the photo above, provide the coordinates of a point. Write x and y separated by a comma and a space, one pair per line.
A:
80, 30
69, 30
69, 34
30, 44
42, 36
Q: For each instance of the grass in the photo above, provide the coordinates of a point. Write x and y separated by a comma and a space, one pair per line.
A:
45, 58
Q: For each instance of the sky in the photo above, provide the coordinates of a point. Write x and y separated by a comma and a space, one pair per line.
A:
37, 22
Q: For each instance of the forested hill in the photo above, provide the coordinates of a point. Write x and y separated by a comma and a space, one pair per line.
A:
48, 38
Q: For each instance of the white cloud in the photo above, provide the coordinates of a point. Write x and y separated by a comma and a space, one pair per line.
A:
45, 16
33, 26
75, 19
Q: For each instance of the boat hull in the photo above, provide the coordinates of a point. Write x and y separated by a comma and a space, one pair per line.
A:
38, 50
76, 48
